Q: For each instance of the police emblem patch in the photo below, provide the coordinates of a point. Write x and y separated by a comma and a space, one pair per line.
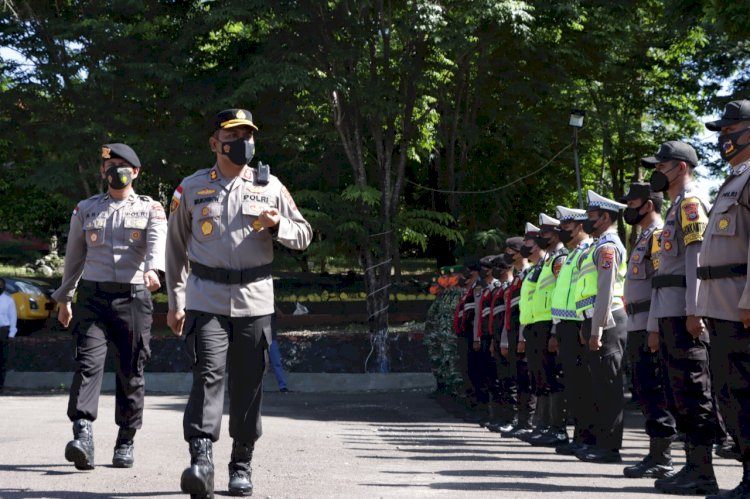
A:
136, 235
636, 257
257, 225
205, 211
667, 245
723, 223
691, 211
240, 114
213, 175
93, 237
636, 270
106, 152
207, 228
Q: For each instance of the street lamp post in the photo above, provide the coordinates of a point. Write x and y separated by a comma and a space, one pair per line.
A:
576, 121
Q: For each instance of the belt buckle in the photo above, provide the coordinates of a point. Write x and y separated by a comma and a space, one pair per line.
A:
234, 277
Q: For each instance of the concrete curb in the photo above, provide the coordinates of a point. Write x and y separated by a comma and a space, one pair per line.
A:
181, 382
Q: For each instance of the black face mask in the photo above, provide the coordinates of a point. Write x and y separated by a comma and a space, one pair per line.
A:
508, 259
632, 215
659, 180
239, 151
728, 145
543, 242
588, 226
119, 177
2, 290
565, 235
525, 251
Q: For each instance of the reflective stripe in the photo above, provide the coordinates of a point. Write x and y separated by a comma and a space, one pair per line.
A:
586, 302
470, 306
564, 314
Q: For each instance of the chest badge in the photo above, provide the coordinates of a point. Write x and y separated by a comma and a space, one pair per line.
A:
257, 225
667, 245
636, 270
723, 223
205, 192
205, 211
207, 228
136, 235
636, 257
94, 237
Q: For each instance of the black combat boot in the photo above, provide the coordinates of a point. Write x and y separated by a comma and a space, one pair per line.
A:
742, 491
657, 464
80, 450
557, 433
696, 478
123, 456
198, 479
240, 471
728, 449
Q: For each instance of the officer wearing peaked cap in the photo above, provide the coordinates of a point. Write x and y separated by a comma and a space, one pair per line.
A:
599, 292
222, 227
566, 337
724, 293
115, 249
673, 314
644, 212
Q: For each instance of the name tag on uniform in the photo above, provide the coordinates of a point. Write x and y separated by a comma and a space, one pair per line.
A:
135, 223
96, 223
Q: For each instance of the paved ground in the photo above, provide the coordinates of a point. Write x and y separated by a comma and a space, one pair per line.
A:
397, 444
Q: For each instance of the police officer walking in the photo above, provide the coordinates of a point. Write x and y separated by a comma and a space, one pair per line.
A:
599, 291
222, 226
724, 294
684, 343
115, 247
644, 211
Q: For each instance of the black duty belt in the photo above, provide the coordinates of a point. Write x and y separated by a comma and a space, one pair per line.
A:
668, 281
723, 271
229, 276
119, 288
638, 307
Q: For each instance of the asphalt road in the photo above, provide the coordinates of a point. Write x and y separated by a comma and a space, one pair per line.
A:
396, 444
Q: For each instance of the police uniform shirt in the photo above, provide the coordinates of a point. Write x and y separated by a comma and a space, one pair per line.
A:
725, 242
679, 247
641, 268
8, 317
113, 240
608, 253
512, 304
214, 222
482, 297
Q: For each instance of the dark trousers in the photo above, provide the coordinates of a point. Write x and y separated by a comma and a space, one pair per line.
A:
524, 382
506, 393
606, 370
687, 362
239, 345
122, 319
577, 383
649, 386
462, 351
730, 363
482, 370
4, 333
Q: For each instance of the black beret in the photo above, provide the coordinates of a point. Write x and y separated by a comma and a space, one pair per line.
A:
514, 243
122, 151
230, 118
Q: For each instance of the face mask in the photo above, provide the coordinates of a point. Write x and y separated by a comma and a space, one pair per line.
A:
2, 290
728, 145
588, 226
566, 236
542, 242
633, 216
239, 151
659, 180
508, 259
119, 177
525, 251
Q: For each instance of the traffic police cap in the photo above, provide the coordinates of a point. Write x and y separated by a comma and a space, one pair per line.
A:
514, 243
599, 202
641, 190
121, 151
531, 231
735, 111
230, 118
546, 222
570, 214
674, 149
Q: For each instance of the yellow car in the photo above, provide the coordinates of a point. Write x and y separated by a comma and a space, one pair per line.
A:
33, 304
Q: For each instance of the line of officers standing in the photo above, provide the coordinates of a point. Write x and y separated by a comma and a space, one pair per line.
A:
545, 327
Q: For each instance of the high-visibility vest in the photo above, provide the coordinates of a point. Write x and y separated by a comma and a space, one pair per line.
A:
527, 296
586, 288
542, 300
563, 297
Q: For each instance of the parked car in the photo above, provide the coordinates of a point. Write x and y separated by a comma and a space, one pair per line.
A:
34, 305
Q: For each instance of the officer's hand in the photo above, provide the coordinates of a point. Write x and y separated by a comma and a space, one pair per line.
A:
595, 343
745, 317
521, 347
151, 280
175, 321
65, 314
552, 345
504, 352
492, 348
477, 346
652, 341
695, 325
269, 217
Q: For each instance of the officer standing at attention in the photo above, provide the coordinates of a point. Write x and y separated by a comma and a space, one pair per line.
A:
464, 321
684, 343
724, 294
223, 223
8, 328
565, 336
644, 211
115, 247
599, 293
